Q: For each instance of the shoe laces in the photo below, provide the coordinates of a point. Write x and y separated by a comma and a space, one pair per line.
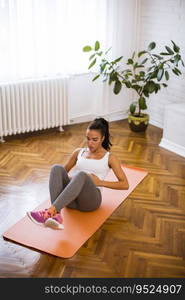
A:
46, 214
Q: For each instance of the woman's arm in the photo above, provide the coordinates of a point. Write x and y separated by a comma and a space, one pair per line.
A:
72, 160
121, 184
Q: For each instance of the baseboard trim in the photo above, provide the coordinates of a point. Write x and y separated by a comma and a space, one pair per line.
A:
113, 116
180, 150
81, 119
116, 116
155, 123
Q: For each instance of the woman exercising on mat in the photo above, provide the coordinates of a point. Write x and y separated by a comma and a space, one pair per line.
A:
82, 191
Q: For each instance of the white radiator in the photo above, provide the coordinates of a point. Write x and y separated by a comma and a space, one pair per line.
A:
33, 105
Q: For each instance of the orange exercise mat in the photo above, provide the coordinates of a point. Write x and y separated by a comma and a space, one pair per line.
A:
78, 226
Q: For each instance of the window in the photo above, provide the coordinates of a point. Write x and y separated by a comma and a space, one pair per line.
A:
44, 38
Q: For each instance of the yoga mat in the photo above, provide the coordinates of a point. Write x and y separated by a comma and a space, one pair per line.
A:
78, 226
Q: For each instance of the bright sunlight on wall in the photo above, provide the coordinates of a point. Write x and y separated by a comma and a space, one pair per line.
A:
45, 38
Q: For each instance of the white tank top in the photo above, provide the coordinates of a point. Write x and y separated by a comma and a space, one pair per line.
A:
99, 167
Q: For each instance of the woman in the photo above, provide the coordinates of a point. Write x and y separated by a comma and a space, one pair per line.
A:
82, 191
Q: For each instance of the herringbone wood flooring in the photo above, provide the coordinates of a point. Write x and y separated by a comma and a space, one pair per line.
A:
144, 237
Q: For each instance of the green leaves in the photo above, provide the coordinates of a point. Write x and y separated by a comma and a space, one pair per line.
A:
87, 48
118, 59
141, 53
117, 87
141, 74
107, 50
177, 58
151, 46
128, 84
144, 61
165, 53
167, 75
96, 77
157, 56
103, 66
92, 64
136, 87
175, 47
130, 61
132, 108
133, 54
97, 46
176, 71
92, 56
144, 80
142, 103
169, 50
164, 84
160, 74
150, 86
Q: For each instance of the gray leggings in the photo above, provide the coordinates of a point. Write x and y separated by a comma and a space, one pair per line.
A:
79, 192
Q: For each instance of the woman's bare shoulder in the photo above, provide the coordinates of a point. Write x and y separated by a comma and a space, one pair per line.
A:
112, 159
76, 151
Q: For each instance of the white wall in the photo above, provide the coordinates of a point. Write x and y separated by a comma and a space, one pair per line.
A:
83, 96
137, 23
173, 137
162, 21
88, 99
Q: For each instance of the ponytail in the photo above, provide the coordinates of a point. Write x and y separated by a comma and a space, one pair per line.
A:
103, 126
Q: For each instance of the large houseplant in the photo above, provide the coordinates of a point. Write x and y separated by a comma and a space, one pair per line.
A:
144, 75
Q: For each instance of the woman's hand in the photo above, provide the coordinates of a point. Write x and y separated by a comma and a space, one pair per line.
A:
95, 179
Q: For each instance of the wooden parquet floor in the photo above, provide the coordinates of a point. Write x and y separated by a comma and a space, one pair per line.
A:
144, 237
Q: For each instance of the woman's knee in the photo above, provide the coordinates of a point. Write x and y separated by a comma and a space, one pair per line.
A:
82, 174
57, 168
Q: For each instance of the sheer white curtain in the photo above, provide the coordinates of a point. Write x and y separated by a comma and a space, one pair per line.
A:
44, 38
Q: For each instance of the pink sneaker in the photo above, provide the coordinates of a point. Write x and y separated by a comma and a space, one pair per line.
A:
55, 222
39, 217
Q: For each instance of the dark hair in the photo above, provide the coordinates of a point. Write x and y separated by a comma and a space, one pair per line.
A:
103, 126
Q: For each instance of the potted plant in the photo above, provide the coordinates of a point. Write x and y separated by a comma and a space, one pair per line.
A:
144, 73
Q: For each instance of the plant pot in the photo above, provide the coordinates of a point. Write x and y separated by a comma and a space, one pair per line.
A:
138, 123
